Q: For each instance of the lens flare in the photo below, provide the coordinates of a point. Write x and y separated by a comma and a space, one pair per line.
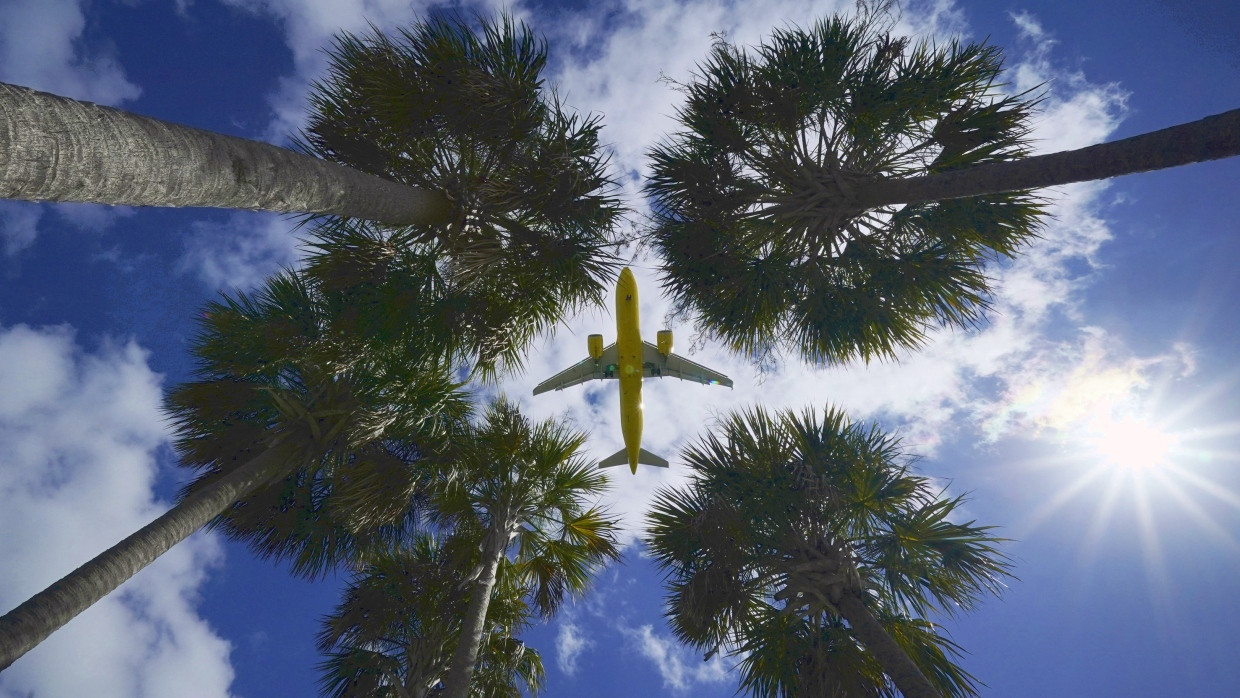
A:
1131, 444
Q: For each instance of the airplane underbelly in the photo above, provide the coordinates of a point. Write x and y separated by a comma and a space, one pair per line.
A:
631, 411
629, 364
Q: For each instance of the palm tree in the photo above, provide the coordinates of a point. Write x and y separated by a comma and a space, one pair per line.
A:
59, 149
442, 107
308, 444
522, 249
399, 618
798, 537
461, 120
372, 276
835, 192
524, 484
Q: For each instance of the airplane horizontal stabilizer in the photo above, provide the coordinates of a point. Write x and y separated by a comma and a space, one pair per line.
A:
621, 457
647, 458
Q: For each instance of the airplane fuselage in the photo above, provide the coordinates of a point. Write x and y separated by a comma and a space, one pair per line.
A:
629, 365
629, 360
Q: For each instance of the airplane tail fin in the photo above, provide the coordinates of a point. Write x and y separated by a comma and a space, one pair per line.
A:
621, 457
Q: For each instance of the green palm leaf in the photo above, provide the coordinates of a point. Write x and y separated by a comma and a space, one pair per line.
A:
785, 516
755, 198
399, 618
465, 111
355, 424
529, 488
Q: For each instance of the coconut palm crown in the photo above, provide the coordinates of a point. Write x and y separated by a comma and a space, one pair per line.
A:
447, 108
399, 619
756, 198
529, 488
795, 534
351, 424
374, 278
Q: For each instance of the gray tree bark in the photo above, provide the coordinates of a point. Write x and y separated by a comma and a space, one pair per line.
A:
24, 627
1211, 138
461, 670
896, 664
58, 149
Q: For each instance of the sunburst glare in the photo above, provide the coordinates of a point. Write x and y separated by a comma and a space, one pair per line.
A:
1130, 443
1128, 451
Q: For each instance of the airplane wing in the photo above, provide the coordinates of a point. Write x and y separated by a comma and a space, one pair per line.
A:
586, 370
656, 365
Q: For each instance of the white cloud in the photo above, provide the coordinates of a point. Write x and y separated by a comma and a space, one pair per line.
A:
80, 433
91, 217
608, 58
930, 396
240, 252
20, 221
309, 26
679, 666
1076, 112
570, 642
1029, 27
1075, 383
42, 46
19, 225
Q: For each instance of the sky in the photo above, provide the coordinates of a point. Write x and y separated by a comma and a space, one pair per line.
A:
1094, 418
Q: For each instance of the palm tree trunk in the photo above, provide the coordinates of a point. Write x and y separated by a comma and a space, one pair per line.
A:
420, 659
58, 149
461, 670
42, 614
895, 662
1210, 138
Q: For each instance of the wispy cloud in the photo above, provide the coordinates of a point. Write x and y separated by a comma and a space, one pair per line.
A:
19, 225
1091, 378
945, 391
44, 45
240, 252
679, 666
80, 433
570, 642
20, 221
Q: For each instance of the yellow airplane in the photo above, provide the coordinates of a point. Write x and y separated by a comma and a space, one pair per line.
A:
630, 359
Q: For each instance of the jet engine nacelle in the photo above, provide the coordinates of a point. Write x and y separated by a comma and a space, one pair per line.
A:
665, 342
595, 344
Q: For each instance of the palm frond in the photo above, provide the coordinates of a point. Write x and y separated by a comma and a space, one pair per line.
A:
352, 425
755, 198
461, 107
784, 513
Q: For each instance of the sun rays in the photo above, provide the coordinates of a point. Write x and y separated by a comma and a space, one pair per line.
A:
1133, 460
1131, 443
1129, 467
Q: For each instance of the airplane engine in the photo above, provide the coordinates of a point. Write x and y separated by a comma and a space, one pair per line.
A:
595, 344
665, 342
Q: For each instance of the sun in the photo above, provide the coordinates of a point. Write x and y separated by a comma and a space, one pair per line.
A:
1130, 444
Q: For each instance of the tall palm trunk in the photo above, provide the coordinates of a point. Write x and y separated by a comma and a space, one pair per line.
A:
878, 642
58, 149
1210, 138
461, 670
422, 658
30, 623
823, 567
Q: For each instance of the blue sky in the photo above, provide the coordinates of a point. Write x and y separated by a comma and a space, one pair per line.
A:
1116, 328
